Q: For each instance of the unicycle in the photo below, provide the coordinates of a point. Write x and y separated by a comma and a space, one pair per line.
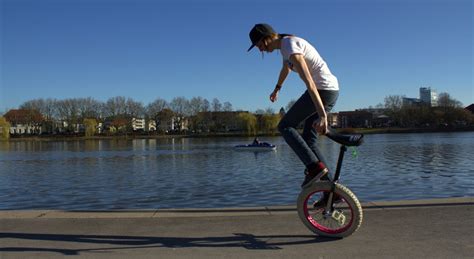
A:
342, 214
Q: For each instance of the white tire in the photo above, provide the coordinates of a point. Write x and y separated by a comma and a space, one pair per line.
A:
344, 220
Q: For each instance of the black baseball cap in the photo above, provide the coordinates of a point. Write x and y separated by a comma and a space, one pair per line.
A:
258, 32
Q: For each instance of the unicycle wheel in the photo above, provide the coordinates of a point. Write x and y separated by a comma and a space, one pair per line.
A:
342, 219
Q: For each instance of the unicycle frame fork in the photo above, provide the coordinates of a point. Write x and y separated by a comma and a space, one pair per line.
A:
329, 205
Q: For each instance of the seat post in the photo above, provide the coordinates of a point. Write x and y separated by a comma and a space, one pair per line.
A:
339, 162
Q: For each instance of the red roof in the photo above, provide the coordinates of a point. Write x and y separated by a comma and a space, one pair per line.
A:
23, 116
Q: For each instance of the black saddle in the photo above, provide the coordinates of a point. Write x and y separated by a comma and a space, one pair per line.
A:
346, 139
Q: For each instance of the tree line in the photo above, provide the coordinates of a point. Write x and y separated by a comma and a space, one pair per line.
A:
196, 114
202, 115
69, 109
449, 112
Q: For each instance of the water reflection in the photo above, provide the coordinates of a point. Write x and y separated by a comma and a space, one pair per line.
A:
206, 172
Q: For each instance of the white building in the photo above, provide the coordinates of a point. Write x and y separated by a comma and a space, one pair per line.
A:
428, 96
139, 124
152, 125
20, 129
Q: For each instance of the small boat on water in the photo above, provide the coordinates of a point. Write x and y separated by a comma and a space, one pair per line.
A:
256, 146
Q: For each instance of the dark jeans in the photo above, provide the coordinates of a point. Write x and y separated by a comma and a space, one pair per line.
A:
304, 110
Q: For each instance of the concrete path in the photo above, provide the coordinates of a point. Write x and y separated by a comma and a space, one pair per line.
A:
441, 228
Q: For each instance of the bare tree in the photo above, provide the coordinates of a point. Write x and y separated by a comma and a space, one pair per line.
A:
445, 101
196, 105
394, 105
206, 106
134, 109
394, 102
163, 120
216, 105
203, 120
45, 106
155, 107
379, 106
68, 111
88, 108
180, 105
228, 107
115, 106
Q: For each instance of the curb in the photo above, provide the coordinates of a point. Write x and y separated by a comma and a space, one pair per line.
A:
217, 212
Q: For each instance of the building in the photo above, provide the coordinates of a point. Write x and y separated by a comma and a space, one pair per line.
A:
166, 125
428, 96
70, 128
332, 119
355, 119
379, 117
167, 121
24, 121
138, 124
470, 108
151, 125
411, 102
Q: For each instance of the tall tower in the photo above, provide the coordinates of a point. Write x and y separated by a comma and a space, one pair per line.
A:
428, 96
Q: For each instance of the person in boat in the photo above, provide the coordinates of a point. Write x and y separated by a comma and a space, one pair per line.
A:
256, 142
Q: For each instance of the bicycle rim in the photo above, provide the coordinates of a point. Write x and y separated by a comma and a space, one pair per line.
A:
336, 221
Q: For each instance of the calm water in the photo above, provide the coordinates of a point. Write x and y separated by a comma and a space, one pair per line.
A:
208, 172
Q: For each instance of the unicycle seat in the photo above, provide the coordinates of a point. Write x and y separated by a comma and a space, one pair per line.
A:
346, 139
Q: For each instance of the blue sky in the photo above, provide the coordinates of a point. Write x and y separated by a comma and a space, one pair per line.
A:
147, 49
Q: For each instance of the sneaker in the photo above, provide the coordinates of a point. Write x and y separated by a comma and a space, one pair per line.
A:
311, 177
321, 203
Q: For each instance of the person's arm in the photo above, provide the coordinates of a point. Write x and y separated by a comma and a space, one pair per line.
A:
302, 68
285, 70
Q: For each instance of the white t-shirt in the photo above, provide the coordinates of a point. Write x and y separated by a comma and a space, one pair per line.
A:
318, 68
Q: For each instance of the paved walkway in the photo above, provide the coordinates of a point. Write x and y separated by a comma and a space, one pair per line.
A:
441, 228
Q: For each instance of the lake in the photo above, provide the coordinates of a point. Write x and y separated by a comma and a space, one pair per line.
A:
210, 173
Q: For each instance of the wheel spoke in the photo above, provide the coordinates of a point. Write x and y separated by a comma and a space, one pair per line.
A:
329, 223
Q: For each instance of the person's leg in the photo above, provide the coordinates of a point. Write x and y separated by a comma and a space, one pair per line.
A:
310, 136
301, 109
309, 133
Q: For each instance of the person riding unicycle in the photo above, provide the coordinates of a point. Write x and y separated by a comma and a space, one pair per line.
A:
312, 107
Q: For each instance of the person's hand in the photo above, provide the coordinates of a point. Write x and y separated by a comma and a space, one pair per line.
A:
321, 125
274, 96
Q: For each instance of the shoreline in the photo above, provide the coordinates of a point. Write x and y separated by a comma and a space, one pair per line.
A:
366, 131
